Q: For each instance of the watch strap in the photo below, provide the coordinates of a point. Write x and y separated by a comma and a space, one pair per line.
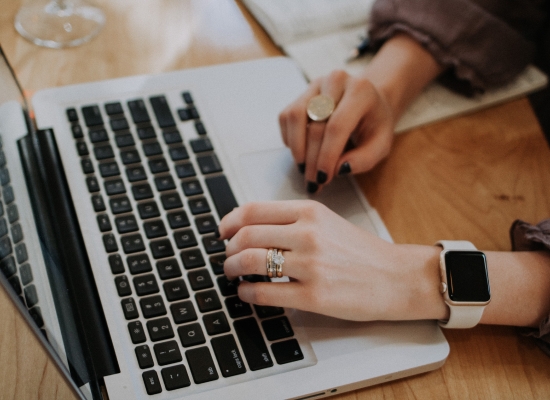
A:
463, 245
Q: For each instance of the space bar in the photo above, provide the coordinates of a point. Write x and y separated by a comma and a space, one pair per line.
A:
221, 193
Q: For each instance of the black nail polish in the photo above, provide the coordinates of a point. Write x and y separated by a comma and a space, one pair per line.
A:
312, 187
217, 233
321, 177
302, 168
344, 169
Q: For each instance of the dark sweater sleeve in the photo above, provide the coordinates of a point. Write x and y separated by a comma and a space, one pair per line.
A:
527, 237
479, 47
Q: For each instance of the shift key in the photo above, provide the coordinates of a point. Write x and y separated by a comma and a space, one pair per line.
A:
253, 344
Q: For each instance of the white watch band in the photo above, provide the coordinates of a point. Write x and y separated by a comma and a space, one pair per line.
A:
461, 316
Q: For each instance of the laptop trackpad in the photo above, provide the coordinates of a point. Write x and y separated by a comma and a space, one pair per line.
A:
273, 175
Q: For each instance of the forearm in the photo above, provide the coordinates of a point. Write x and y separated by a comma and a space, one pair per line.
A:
400, 70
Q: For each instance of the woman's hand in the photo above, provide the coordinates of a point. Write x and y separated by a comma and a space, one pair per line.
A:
362, 116
335, 268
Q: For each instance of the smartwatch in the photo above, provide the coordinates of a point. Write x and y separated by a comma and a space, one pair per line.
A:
464, 283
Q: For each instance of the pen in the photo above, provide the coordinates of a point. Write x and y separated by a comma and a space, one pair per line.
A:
360, 50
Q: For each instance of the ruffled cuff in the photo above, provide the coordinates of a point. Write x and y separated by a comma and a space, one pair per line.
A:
480, 49
527, 237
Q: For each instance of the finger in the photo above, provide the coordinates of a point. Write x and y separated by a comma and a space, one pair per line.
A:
315, 134
269, 212
279, 294
254, 262
262, 236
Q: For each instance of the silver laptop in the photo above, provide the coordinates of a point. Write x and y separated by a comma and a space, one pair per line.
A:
110, 199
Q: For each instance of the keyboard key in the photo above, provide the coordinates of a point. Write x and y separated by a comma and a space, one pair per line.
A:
124, 140
221, 193
154, 229
161, 248
104, 223
98, 135
268, 311
136, 173
12, 213
200, 279
142, 191
116, 264
208, 301
152, 149
77, 131
168, 269
16, 233
114, 187
109, 169
36, 315
138, 111
178, 153
126, 224
277, 328
185, 170
97, 203
228, 356
191, 335
185, 238
113, 108
87, 166
158, 165
201, 365
119, 124
146, 284
164, 183
216, 323
3, 226
21, 254
192, 258
103, 152
252, 343
193, 113
72, 115
227, 287
151, 381
120, 205
25, 273
109, 242
199, 206
176, 290
237, 308
171, 201
209, 164
199, 127
137, 333
172, 136
143, 354
147, 132
212, 244
160, 329
152, 307
167, 352
93, 185
139, 264
201, 145
8, 194
132, 243
162, 111
5, 247
178, 219
175, 377
191, 188
287, 351
123, 286
129, 308
187, 97
92, 115
184, 114
130, 157
148, 210
4, 176
205, 224
31, 297
183, 312
216, 262
15, 284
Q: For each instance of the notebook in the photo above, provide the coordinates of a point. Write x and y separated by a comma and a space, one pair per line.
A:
107, 245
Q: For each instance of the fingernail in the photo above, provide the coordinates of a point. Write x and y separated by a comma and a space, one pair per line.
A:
312, 187
344, 169
302, 168
321, 177
217, 232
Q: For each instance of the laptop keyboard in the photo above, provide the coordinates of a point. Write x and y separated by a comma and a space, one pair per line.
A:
14, 259
158, 198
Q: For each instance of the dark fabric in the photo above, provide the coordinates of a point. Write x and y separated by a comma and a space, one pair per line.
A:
527, 237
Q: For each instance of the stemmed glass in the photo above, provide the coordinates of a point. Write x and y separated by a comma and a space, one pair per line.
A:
59, 23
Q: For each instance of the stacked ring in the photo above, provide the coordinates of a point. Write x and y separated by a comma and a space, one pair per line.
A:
269, 264
278, 259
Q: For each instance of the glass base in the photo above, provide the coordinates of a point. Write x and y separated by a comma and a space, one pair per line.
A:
59, 23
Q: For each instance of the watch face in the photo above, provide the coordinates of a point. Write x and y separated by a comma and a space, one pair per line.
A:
467, 278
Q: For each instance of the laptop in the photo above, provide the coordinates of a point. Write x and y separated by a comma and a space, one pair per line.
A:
111, 192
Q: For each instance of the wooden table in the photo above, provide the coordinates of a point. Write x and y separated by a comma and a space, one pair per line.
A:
468, 178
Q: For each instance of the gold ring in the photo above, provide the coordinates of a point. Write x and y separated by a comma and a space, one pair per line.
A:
320, 107
269, 263
277, 260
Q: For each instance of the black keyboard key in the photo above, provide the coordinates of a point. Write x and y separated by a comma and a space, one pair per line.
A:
228, 356
143, 354
277, 328
92, 115
93, 185
187, 97
147, 132
199, 127
168, 269
124, 140
109, 242
164, 183
152, 382
136, 173
25, 273
208, 301
146, 284
104, 223
98, 135
268, 311
113, 108
129, 308
16, 233
191, 335
185, 170
21, 254
216, 262
103, 152
171, 201
8, 194
216, 323
199, 206
72, 115
192, 258
253, 344
116, 264
221, 193
139, 264
114, 187
5, 247
184, 114
126, 224
205, 224
160, 329
123, 286
31, 297
132, 243
142, 191
227, 287
154, 229
200, 279
201, 365
97, 203
192, 187
175, 377
201, 145
119, 124
15, 284
212, 244
36, 315
178, 219
109, 169
176, 290
185, 238
178, 153
138, 111
183, 312
193, 113
172, 136
162, 111
148, 210
158, 165
77, 131
152, 307
3, 225
87, 166
120, 205
137, 333
12, 213
287, 351
209, 164
167, 352
4, 176
161, 248
130, 157
152, 149
237, 308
